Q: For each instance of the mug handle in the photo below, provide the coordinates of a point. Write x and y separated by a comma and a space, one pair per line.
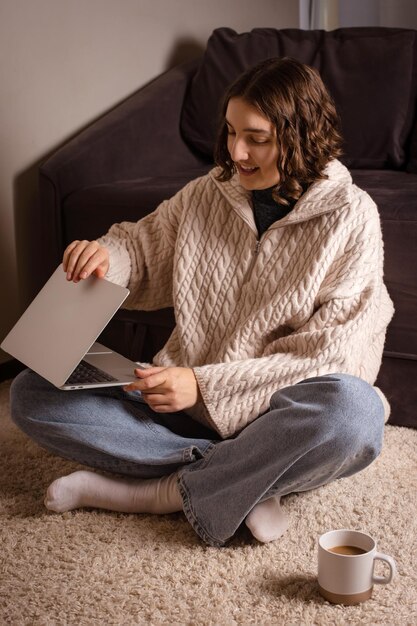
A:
382, 580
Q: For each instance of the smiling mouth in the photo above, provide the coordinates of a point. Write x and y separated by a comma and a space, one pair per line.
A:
246, 170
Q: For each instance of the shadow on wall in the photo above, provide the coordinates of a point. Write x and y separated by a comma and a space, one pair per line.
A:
185, 49
31, 247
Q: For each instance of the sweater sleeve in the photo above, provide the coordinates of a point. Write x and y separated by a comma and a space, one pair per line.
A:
345, 334
142, 253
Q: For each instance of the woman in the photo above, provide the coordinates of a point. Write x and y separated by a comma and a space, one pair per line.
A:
274, 265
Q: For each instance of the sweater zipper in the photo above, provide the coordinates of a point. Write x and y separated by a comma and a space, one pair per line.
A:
254, 257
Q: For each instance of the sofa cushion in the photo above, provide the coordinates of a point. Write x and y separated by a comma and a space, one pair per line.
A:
371, 80
370, 72
89, 213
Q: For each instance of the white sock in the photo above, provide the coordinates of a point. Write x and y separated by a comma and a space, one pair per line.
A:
267, 521
88, 489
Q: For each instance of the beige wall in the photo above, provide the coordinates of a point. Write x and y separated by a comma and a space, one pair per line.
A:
65, 62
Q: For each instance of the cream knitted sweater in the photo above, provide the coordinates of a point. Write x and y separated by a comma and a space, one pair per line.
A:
254, 316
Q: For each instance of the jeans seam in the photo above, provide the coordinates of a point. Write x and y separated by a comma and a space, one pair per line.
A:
188, 508
193, 518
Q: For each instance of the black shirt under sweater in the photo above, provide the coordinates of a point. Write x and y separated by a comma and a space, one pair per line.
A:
266, 211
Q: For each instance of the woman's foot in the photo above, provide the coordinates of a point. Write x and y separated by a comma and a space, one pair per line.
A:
88, 489
267, 521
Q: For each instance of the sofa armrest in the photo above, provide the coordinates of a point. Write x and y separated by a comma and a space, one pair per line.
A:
140, 137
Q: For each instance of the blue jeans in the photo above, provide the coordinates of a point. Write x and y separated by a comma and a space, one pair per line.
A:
314, 432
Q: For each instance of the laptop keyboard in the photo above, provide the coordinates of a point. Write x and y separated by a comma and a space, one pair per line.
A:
85, 373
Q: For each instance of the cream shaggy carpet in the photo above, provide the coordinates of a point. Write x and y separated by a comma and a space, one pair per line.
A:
95, 567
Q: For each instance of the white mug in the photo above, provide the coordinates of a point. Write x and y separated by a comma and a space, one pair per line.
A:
347, 576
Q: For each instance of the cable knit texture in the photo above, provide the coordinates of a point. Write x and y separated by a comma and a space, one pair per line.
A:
256, 316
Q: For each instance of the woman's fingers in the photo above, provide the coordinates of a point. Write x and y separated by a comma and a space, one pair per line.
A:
67, 254
167, 389
72, 256
160, 403
150, 381
92, 260
86, 252
82, 258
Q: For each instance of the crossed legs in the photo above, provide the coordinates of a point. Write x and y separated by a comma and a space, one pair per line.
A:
319, 430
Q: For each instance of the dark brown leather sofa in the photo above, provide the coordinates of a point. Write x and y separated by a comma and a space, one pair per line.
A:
143, 151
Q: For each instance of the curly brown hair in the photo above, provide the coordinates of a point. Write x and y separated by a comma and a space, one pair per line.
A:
293, 98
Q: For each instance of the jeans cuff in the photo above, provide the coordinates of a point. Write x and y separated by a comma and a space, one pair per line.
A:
188, 508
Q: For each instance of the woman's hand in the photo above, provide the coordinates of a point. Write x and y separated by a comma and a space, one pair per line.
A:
166, 389
83, 258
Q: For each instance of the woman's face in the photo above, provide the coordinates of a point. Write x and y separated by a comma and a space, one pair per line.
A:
252, 145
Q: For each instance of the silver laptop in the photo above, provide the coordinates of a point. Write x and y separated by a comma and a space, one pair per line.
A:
56, 335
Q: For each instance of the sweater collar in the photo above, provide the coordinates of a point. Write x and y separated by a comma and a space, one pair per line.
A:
323, 196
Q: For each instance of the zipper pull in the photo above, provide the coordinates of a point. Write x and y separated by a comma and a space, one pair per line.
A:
258, 245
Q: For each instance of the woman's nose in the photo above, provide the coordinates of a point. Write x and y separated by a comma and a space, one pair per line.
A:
238, 149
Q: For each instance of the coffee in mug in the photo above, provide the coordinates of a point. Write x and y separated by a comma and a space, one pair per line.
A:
346, 561
350, 550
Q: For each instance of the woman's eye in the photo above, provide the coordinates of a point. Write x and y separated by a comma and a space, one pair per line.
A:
258, 140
